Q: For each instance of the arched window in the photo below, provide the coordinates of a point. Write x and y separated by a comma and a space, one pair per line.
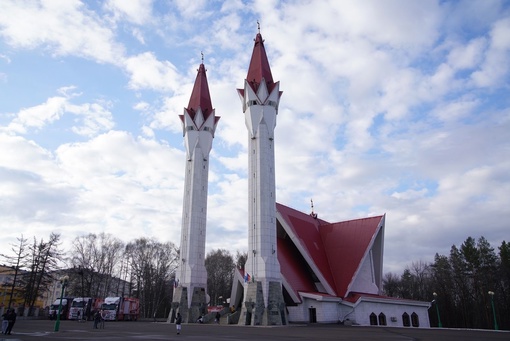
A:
415, 320
373, 319
382, 319
405, 320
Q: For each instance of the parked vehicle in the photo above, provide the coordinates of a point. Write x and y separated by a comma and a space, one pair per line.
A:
66, 305
121, 308
82, 308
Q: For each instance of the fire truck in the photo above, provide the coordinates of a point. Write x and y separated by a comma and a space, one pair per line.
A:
66, 305
121, 308
82, 308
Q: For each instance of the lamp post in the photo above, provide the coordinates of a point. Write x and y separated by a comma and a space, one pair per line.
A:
491, 293
63, 283
439, 324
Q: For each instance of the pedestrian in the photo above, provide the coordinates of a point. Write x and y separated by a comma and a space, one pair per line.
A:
5, 321
97, 319
78, 316
11, 317
217, 318
103, 316
178, 322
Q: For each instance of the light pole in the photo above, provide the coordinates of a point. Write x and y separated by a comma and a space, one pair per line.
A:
439, 324
491, 293
63, 282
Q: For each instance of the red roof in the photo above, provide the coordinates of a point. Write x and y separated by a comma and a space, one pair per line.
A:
347, 242
259, 66
292, 269
306, 229
333, 251
200, 97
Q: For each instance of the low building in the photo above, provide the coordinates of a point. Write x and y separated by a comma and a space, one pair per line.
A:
332, 273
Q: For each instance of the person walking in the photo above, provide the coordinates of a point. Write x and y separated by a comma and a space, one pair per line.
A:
11, 317
97, 319
178, 322
5, 321
103, 317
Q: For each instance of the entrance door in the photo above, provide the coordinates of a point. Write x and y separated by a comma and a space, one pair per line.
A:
312, 312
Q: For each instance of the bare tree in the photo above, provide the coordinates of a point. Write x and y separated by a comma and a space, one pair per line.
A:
220, 266
152, 265
43, 262
97, 259
16, 262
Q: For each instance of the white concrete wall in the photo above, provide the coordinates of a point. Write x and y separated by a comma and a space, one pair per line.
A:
364, 309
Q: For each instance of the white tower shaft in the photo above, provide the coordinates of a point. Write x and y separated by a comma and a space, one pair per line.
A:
262, 263
263, 298
198, 125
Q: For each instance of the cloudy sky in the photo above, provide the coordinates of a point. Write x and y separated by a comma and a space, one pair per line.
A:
389, 107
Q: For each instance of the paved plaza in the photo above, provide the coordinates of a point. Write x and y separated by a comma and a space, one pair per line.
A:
72, 330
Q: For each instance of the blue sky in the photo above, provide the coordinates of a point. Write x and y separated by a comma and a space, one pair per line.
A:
389, 107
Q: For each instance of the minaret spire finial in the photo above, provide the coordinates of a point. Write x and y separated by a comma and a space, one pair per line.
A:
313, 215
202, 53
258, 25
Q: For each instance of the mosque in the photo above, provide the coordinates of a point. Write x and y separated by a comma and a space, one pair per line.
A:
300, 268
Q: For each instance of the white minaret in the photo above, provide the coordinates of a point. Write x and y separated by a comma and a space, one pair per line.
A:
263, 298
199, 124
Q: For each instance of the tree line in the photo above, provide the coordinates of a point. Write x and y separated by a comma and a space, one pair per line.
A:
469, 288
102, 265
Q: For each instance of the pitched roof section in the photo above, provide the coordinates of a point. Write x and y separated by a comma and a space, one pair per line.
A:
335, 250
259, 66
347, 242
200, 97
308, 239
292, 270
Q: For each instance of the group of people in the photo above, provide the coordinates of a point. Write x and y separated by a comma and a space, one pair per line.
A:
99, 319
9, 318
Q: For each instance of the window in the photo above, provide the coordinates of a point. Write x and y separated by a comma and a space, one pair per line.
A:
405, 320
373, 319
415, 320
382, 319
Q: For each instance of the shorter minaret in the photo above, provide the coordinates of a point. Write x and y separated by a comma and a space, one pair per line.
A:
198, 126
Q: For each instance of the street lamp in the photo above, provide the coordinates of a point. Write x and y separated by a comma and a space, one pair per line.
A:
63, 283
439, 324
491, 293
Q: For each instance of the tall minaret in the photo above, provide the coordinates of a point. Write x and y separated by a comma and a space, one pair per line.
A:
263, 298
198, 126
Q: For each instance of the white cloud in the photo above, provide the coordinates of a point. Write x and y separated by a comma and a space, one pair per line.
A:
134, 11
146, 72
38, 116
91, 118
467, 56
64, 28
496, 66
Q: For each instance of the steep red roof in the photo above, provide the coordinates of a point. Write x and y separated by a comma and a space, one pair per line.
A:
336, 250
347, 242
306, 229
200, 97
292, 269
259, 66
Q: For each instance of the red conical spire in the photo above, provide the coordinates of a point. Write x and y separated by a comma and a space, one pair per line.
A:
259, 66
200, 96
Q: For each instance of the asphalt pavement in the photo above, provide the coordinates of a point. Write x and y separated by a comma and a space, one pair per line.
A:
149, 330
